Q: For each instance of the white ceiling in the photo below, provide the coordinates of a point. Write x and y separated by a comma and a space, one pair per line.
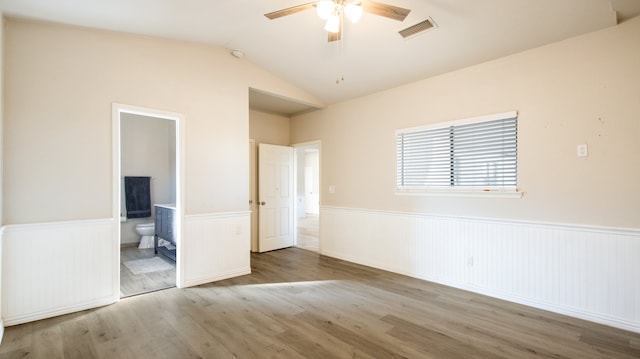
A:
375, 57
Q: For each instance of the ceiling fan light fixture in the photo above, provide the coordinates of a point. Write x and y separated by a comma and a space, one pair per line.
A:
353, 12
333, 23
325, 9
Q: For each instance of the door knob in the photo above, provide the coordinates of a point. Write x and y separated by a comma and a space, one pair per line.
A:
263, 203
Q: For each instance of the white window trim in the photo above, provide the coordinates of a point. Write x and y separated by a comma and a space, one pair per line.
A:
479, 193
464, 121
460, 192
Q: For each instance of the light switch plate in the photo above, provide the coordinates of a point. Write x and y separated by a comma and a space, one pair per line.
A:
583, 150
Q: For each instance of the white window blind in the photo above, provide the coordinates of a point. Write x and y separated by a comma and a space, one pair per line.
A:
481, 155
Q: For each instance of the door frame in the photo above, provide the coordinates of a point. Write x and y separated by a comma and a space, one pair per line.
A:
314, 144
117, 110
253, 194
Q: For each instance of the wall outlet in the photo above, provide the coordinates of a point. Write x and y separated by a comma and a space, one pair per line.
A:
583, 150
332, 189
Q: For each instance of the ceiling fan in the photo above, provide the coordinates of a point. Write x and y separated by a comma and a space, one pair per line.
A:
333, 11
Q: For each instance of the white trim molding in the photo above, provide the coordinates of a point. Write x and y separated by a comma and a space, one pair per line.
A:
116, 110
218, 247
51, 269
586, 272
459, 193
464, 121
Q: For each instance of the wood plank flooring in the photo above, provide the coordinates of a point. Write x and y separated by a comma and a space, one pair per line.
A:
134, 284
298, 304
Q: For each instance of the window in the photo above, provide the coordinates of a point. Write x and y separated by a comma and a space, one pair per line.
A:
470, 156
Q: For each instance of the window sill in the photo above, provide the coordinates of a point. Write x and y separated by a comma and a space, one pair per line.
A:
459, 193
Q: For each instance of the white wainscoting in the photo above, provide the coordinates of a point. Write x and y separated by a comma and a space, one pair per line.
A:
50, 269
591, 273
1, 321
218, 247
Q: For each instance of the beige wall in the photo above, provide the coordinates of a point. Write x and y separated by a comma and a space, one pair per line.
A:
60, 84
268, 128
582, 90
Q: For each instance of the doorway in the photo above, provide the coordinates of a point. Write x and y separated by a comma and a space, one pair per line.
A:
147, 145
307, 181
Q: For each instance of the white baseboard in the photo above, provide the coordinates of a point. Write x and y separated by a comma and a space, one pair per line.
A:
560, 309
218, 277
54, 312
582, 271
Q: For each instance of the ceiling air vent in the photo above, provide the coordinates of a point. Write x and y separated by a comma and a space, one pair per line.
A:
418, 28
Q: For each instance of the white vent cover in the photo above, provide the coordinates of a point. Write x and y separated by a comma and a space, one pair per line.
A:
418, 28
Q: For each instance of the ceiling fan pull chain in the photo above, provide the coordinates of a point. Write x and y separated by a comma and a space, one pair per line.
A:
342, 36
338, 55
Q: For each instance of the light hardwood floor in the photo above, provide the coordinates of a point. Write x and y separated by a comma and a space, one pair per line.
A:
298, 304
134, 284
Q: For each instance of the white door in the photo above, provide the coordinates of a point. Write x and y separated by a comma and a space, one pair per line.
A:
275, 197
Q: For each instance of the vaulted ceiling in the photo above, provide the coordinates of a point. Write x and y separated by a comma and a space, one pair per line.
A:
372, 55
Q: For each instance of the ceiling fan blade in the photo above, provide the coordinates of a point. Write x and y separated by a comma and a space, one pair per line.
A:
289, 11
386, 10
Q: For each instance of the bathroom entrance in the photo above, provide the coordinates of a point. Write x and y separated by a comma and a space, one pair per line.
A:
148, 199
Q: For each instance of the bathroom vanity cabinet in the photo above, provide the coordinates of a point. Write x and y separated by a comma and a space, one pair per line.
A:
165, 229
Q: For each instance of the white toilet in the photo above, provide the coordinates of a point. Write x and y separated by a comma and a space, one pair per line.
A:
147, 231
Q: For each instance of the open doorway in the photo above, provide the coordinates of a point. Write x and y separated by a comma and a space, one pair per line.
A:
306, 183
147, 199
307, 179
